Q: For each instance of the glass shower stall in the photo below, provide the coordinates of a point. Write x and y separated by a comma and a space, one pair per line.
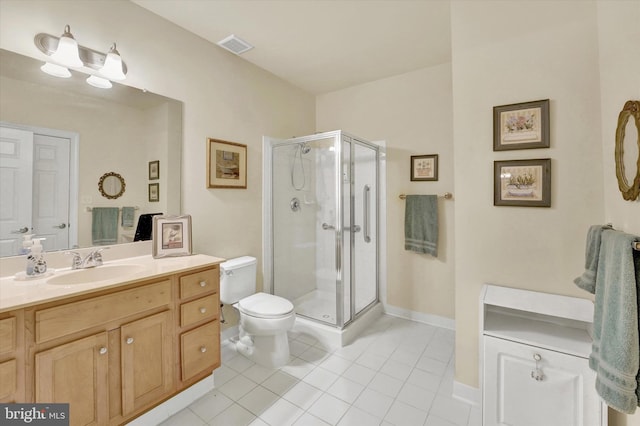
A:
321, 210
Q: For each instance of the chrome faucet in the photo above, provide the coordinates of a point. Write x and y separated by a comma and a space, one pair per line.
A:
94, 258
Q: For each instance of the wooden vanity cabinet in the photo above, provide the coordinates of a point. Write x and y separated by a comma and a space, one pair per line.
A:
11, 357
199, 325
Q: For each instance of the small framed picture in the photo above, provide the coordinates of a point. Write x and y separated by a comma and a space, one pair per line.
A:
171, 236
522, 183
226, 164
424, 167
521, 126
154, 192
154, 170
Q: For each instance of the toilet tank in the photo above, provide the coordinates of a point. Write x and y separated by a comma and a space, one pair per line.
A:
237, 279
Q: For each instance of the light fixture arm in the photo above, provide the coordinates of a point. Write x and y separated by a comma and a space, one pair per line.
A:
47, 44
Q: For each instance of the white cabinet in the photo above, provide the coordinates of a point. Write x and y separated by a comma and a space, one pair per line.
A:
535, 360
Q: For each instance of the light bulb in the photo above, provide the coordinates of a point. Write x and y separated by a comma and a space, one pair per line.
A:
99, 82
55, 70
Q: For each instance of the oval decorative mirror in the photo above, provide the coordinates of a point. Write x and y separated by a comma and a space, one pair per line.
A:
625, 133
111, 185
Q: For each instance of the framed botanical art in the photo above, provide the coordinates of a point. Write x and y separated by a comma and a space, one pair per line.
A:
522, 183
154, 192
521, 126
226, 164
154, 170
171, 236
424, 167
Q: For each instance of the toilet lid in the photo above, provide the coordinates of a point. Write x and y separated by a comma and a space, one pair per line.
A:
265, 305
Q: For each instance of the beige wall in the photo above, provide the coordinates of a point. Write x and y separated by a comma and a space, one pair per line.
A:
224, 97
412, 113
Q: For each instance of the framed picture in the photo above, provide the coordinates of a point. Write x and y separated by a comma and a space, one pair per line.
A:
424, 167
522, 183
521, 126
226, 164
154, 170
171, 236
154, 192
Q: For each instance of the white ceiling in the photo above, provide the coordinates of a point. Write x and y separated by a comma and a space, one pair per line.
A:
322, 45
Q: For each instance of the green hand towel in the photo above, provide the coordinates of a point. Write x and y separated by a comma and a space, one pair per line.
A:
587, 281
421, 224
615, 350
104, 225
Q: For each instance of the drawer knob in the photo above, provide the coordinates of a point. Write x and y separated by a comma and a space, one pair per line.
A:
203, 310
203, 349
103, 350
203, 283
537, 373
129, 340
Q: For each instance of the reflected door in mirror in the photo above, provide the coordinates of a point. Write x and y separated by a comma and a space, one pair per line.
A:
35, 189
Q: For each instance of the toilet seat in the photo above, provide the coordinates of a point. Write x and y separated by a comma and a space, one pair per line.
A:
264, 305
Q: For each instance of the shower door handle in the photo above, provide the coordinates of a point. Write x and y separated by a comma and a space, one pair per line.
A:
367, 213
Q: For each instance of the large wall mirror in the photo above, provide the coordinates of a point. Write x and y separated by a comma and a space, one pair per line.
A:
60, 136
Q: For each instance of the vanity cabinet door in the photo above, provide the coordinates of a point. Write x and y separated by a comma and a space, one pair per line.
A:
147, 361
76, 373
529, 386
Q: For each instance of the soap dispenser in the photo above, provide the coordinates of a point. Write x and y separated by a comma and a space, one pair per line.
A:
26, 244
36, 265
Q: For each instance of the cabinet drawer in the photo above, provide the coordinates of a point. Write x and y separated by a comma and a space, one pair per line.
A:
199, 283
199, 310
8, 379
77, 316
200, 349
7, 335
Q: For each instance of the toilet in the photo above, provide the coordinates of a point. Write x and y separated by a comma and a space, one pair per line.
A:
264, 318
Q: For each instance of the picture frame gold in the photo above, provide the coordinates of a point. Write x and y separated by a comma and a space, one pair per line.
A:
226, 164
171, 236
154, 192
522, 183
154, 170
521, 126
424, 167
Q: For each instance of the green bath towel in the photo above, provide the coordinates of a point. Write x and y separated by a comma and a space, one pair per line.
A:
421, 224
104, 225
616, 338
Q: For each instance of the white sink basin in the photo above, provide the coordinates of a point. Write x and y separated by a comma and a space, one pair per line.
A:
99, 273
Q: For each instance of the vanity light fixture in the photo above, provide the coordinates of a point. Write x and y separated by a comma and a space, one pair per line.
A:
99, 82
67, 53
107, 66
112, 68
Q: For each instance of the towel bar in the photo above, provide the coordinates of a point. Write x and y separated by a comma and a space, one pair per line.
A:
636, 245
89, 209
447, 196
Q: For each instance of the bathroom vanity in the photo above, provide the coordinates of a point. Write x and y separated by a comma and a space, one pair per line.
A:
112, 341
534, 352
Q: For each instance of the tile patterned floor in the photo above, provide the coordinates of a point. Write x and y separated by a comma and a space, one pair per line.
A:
397, 372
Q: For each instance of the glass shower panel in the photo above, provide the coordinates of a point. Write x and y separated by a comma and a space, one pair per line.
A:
344, 283
304, 215
365, 213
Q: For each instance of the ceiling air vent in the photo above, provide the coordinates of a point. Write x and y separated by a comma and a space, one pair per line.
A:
235, 45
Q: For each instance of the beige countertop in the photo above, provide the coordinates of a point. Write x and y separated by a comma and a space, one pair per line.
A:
15, 294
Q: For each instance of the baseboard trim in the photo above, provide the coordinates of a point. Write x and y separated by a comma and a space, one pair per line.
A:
467, 393
430, 319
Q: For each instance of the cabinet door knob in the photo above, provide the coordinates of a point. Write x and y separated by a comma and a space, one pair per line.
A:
103, 350
203, 310
129, 340
203, 349
203, 283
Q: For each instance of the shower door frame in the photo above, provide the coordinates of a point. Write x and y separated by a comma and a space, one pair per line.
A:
268, 240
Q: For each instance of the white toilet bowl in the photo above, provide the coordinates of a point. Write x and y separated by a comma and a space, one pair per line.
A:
264, 321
